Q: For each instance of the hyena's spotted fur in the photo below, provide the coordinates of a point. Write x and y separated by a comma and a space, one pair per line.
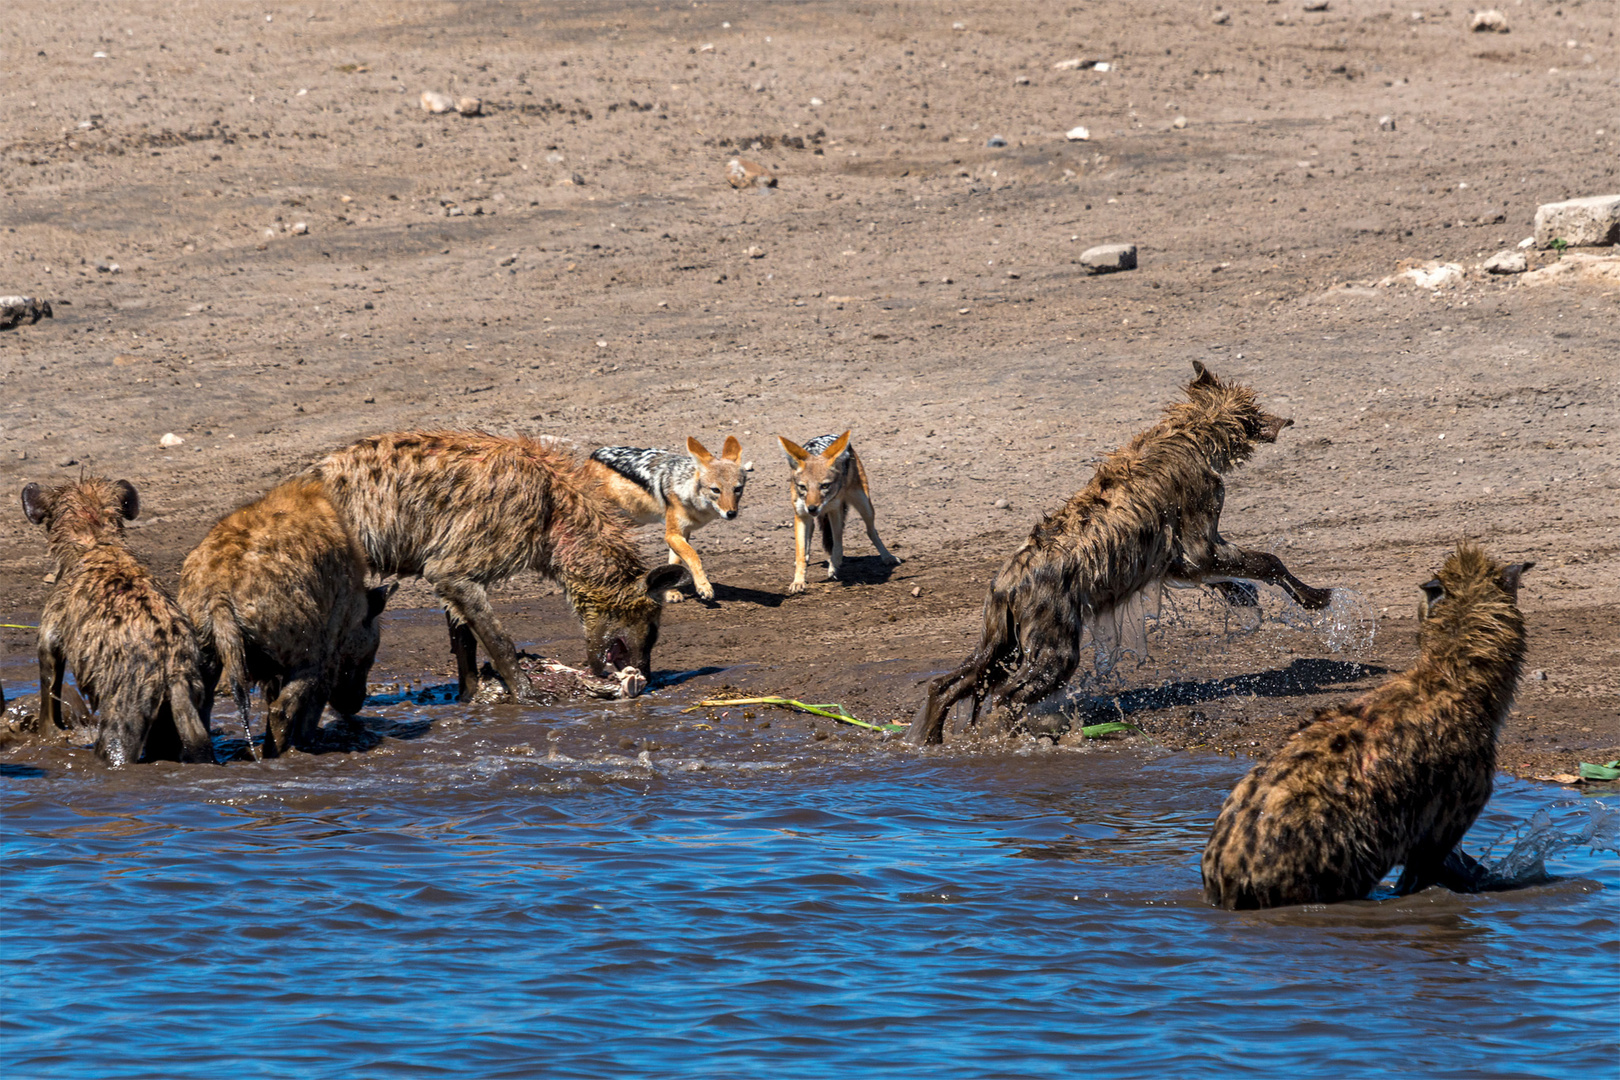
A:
1395, 776
466, 509
277, 593
129, 646
1151, 515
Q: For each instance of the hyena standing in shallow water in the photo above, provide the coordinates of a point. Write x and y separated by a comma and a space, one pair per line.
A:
683, 492
277, 593
828, 479
1150, 516
130, 647
1394, 777
466, 509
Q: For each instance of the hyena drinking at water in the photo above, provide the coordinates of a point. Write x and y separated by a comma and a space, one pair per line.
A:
466, 509
277, 593
1150, 516
1394, 777
130, 647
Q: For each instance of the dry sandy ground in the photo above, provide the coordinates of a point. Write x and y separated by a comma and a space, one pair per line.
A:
905, 280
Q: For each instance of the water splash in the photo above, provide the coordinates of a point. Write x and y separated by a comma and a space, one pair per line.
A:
1573, 823
1348, 623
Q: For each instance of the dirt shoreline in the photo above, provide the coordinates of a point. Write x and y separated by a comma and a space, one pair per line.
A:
911, 283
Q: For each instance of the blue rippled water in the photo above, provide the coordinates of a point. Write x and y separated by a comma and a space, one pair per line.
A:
517, 896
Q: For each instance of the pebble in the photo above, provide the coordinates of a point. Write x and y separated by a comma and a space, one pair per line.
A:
1077, 134
1109, 258
1220, 18
14, 309
1001, 504
1179, 122
107, 267
1316, 5
754, 252
1070, 65
995, 142
1489, 21
744, 172
435, 102
1022, 80
469, 106
1590, 222
1507, 262
916, 590
1386, 123
299, 228
577, 180
171, 439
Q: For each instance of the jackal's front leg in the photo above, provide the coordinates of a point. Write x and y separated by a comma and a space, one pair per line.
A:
1233, 561
801, 544
681, 551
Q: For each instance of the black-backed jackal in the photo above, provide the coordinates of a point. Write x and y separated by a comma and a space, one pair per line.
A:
828, 479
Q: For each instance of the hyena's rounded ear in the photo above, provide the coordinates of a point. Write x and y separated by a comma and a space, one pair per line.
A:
129, 503
1433, 593
1202, 376
1510, 577
838, 447
696, 449
661, 579
34, 503
732, 450
796, 453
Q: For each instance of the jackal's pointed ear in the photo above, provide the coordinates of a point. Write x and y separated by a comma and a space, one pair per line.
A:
838, 447
33, 500
1202, 376
796, 453
1433, 593
1510, 577
732, 450
129, 503
695, 448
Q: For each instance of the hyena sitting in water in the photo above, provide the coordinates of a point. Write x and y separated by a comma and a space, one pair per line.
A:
683, 492
129, 645
1394, 777
277, 593
466, 509
1150, 516
828, 479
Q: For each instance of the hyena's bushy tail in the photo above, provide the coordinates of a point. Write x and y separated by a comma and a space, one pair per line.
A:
998, 650
227, 634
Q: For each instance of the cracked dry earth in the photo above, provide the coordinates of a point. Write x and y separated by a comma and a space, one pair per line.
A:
573, 262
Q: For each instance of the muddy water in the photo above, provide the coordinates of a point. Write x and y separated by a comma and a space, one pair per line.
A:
618, 891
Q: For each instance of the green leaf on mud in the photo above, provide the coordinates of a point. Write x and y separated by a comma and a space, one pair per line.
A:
1611, 771
1110, 728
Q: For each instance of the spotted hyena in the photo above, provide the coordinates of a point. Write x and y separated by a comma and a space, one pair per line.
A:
1150, 516
465, 510
129, 646
277, 593
1395, 776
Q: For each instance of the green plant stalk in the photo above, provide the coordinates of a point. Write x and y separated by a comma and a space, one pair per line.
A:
1611, 771
830, 711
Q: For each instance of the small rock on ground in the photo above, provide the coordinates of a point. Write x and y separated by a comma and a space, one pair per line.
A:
745, 173
1590, 222
1507, 262
1109, 258
1489, 22
435, 102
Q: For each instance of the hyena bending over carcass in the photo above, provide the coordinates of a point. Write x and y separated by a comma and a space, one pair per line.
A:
465, 509
1150, 516
277, 593
1395, 776
131, 648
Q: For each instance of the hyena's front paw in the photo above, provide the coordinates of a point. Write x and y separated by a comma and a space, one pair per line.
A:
674, 596
797, 588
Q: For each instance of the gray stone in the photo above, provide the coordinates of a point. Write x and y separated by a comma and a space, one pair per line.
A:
1107, 258
1507, 262
1589, 222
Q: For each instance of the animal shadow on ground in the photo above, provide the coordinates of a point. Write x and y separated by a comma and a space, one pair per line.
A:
863, 570
739, 594
21, 772
667, 679
1301, 677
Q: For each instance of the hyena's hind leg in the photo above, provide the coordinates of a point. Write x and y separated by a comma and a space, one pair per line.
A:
1051, 656
996, 653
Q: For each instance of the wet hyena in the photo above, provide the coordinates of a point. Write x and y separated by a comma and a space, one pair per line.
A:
465, 509
130, 647
277, 593
1395, 776
1151, 515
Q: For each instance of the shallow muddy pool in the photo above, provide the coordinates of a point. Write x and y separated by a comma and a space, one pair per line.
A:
618, 891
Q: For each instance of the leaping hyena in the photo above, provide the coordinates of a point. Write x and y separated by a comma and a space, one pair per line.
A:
277, 593
129, 645
1395, 776
1150, 516
465, 509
